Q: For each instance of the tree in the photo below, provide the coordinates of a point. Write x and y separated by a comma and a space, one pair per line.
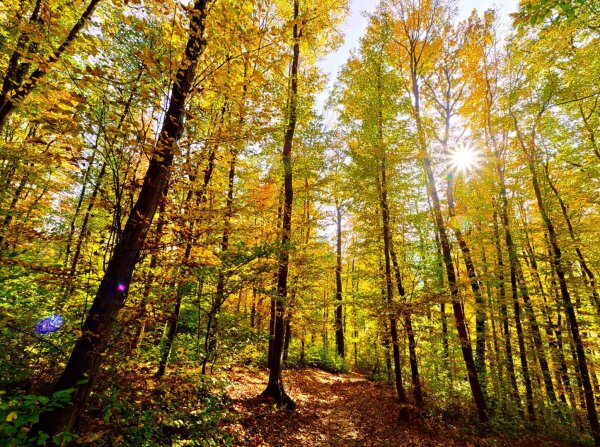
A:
416, 44
79, 374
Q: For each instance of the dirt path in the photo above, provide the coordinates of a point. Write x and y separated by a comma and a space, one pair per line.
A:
336, 410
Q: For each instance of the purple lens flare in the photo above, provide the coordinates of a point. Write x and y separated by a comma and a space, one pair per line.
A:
49, 324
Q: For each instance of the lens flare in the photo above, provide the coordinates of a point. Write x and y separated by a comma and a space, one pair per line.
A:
49, 324
463, 158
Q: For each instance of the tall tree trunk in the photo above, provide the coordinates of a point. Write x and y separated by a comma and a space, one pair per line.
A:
80, 371
389, 291
274, 387
515, 280
588, 276
272, 319
339, 329
410, 333
389, 288
173, 320
86, 179
82, 236
155, 247
475, 285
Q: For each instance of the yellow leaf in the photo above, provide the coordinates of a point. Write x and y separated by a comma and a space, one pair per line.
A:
11, 416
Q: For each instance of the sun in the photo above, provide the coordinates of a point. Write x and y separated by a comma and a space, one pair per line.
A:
463, 158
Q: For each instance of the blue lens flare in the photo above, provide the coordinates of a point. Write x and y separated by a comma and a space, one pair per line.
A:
49, 324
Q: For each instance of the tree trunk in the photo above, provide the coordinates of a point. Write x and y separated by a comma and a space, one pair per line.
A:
86, 358
588, 276
569, 310
288, 334
86, 179
408, 326
339, 329
81, 238
274, 388
475, 287
140, 330
272, 319
515, 281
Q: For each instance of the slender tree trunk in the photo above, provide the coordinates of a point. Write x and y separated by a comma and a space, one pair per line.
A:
155, 247
475, 287
86, 179
339, 329
172, 325
569, 310
80, 371
275, 386
588, 276
180, 289
408, 326
81, 238
515, 272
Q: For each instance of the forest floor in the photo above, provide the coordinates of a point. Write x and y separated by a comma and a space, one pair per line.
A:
341, 410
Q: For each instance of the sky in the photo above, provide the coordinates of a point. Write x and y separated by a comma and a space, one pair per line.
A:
356, 23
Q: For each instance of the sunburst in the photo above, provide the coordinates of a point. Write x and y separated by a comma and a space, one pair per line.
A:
464, 158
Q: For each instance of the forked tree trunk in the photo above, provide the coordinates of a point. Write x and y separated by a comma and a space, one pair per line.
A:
84, 362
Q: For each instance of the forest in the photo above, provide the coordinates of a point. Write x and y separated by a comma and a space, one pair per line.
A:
195, 251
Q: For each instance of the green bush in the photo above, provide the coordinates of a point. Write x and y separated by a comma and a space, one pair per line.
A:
186, 411
19, 412
321, 357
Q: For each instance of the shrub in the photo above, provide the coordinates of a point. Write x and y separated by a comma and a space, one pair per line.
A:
19, 412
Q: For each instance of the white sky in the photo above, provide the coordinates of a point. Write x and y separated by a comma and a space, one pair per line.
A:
356, 23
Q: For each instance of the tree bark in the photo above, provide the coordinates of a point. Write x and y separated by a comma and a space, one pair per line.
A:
410, 333
274, 387
339, 328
